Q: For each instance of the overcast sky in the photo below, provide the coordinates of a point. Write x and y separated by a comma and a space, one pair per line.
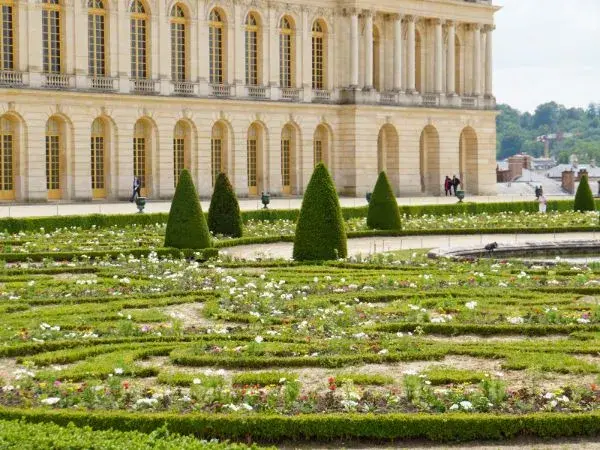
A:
547, 50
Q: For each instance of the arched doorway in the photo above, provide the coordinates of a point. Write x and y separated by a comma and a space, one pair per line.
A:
8, 161
321, 147
219, 150
468, 160
182, 137
288, 159
255, 158
429, 154
388, 155
56, 137
98, 158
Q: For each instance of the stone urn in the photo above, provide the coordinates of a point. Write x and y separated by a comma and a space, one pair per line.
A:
460, 195
266, 199
140, 202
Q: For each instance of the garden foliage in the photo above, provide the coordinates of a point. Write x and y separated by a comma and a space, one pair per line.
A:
186, 226
584, 199
383, 211
224, 212
320, 232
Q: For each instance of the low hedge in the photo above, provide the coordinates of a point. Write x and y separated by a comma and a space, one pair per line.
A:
455, 427
450, 329
204, 254
15, 225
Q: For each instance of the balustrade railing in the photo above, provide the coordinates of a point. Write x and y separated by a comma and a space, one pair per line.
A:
468, 102
430, 100
183, 87
387, 98
257, 91
11, 78
142, 86
220, 90
321, 94
56, 81
102, 83
292, 94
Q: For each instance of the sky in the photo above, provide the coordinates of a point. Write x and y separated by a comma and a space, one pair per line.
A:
547, 50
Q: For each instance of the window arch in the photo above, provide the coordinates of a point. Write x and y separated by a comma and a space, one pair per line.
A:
98, 158
181, 149
319, 59
253, 49
178, 43
141, 145
286, 53
54, 144
139, 40
218, 146
321, 146
7, 158
7, 45
52, 36
216, 47
96, 38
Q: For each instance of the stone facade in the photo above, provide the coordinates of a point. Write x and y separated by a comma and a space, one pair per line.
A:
97, 91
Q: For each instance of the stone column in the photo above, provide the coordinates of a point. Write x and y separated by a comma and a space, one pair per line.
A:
489, 90
451, 59
476, 60
439, 57
368, 15
353, 49
124, 56
397, 52
411, 42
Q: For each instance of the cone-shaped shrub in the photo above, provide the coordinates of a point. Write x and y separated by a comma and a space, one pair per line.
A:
383, 209
186, 227
320, 232
584, 199
224, 212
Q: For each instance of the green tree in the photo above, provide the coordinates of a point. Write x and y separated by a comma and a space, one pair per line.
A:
186, 226
224, 212
584, 199
320, 231
383, 209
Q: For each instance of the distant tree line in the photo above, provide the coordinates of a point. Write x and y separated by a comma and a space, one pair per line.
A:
517, 132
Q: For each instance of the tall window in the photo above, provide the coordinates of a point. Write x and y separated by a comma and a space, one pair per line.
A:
286, 53
178, 151
6, 159
7, 49
140, 142
178, 44
51, 36
318, 56
216, 147
286, 160
97, 146
96, 39
252, 43
53, 144
215, 47
139, 40
318, 146
252, 146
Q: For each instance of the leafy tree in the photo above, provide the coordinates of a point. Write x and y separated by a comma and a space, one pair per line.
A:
584, 199
383, 209
224, 212
186, 226
320, 231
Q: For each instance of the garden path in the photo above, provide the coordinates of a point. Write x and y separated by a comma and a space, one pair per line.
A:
371, 245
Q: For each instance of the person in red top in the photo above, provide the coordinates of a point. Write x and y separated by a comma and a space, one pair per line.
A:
448, 186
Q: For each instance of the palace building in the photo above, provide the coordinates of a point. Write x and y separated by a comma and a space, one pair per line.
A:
95, 92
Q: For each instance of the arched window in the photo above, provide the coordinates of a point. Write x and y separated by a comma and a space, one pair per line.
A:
7, 139
96, 39
7, 46
51, 36
140, 148
318, 56
286, 53
286, 160
216, 47
97, 147
217, 146
252, 146
178, 44
252, 50
318, 145
53, 158
139, 40
180, 150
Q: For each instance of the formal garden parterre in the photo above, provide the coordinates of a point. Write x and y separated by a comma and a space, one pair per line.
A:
386, 346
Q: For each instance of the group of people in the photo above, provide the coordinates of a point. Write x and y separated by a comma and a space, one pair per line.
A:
451, 184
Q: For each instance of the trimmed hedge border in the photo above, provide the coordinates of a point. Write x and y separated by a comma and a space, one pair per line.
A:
204, 254
15, 225
450, 329
457, 427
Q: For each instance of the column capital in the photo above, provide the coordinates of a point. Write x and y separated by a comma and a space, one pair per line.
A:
367, 13
350, 12
489, 28
450, 23
410, 19
475, 26
436, 21
395, 16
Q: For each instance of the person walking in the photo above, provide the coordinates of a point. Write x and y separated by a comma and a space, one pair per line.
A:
137, 186
455, 183
448, 186
543, 203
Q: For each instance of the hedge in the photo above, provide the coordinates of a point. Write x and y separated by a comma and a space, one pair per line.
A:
383, 213
15, 225
454, 427
584, 199
224, 211
449, 329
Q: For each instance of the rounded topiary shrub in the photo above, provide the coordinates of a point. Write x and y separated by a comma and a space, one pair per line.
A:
224, 212
186, 226
384, 213
584, 199
320, 232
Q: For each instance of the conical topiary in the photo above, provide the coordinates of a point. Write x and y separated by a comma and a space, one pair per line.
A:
584, 199
383, 209
320, 231
224, 211
186, 227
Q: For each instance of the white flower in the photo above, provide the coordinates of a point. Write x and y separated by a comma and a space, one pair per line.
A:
258, 339
50, 401
247, 407
410, 372
471, 305
467, 406
118, 371
515, 320
197, 381
454, 407
548, 395
384, 351
582, 320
